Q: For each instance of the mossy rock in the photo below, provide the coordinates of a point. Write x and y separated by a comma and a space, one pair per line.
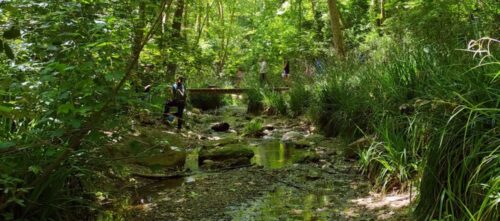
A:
307, 157
171, 159
156, 136
230, 139
226, 153
302, 143
315, 138
292, 136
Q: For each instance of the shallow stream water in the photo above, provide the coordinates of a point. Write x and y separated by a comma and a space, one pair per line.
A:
271, 154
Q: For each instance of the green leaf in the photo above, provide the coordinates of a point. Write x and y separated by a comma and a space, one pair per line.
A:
114, 76
1, 45
57, 133
135, 146
35, 169
5, 109
12, 33
65, 108
75, 123
8, 51
6, 144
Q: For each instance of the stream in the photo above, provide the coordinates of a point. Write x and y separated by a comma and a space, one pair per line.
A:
233, 177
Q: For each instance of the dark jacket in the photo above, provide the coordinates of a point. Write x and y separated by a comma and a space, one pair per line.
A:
179, 92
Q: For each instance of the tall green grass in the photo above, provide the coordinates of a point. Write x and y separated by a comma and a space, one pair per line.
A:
300, 98
433, 115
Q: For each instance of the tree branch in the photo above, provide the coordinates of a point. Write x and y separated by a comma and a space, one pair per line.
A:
76, 140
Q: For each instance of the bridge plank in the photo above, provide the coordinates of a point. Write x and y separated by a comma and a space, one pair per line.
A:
228, 90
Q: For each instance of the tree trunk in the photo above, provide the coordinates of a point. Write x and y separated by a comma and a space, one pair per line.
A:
220, 63
176, 37
382, 11
185, 21
300, 13
374, 12
162, 43
338, 40
136, 42
202, 24
318, 22
228, 39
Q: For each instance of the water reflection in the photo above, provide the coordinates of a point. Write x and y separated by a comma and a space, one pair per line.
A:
285, 204
274, 154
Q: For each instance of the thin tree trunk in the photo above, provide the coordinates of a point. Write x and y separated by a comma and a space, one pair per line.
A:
374, 12
185, 21
220, 10
300, 13
318, 21
163, 42
382, 11
136, 42
228, 39
202, 25
338, 40
176, 36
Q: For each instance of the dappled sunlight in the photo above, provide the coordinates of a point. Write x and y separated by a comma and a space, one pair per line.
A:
377, 201
249, 110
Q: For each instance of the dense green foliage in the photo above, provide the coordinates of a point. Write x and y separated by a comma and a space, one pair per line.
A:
420, 78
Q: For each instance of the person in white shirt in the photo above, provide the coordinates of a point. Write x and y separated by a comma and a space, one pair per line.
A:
263, 71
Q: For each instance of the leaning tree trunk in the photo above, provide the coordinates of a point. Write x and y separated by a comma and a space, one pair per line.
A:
338, 40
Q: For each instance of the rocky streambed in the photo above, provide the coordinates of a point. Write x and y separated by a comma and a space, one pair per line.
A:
219, 169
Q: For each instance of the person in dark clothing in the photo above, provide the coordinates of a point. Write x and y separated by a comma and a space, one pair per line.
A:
286, 71
179, 101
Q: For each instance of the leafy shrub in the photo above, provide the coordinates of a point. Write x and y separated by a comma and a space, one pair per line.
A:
275, 103
254, 127
255, 98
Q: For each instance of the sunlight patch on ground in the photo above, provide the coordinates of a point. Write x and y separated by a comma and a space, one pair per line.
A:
377, 201
384, 204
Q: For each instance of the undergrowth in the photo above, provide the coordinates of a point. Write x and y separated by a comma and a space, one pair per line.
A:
432, 115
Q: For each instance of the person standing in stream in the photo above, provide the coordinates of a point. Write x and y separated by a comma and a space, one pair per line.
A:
178, 100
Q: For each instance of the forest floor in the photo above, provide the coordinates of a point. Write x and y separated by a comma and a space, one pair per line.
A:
293, 174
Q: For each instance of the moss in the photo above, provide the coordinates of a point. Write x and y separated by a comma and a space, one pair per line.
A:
171, 159
226, 152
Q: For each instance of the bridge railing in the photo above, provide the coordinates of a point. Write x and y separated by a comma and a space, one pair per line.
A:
228, 90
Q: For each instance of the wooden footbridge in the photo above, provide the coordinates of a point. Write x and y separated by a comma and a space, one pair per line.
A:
214, 90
